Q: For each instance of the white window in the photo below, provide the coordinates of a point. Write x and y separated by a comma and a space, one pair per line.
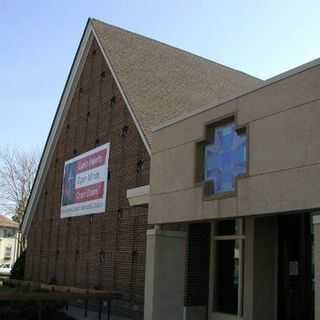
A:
9, 233
7, 252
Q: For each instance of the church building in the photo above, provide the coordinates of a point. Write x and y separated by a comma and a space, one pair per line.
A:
190, 188
86, 221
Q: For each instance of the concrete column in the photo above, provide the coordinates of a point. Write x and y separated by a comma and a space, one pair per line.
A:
248, 292
260, 269
316, 225
265, 268
165, 271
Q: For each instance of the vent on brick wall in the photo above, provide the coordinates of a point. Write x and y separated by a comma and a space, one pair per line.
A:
140, 165
94, 52
68, 126
81, 90
102, 74
120, 213
88, 115
134, 255
57, 252
97, 141
102, 256
75, 151
112, 101
46, 192
77, 252
124, 131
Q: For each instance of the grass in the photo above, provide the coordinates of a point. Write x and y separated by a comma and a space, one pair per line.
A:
4, 289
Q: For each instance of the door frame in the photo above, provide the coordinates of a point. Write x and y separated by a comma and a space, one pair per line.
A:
212, 270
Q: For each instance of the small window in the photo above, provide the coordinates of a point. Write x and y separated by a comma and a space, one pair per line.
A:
9, 233
7, 252
225, 157
228, 227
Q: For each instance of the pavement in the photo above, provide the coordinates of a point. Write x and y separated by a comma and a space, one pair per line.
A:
78, 314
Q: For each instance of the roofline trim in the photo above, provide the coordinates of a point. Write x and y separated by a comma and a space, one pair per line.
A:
9, 226
295, 70
124, 96
282, 76
56, 126
63, 107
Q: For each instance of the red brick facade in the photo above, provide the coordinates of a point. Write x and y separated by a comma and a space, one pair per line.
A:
104, 250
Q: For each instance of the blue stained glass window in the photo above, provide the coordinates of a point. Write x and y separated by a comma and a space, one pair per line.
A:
225, 158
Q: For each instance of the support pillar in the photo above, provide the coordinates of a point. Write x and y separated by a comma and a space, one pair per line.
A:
316, 228
165, 274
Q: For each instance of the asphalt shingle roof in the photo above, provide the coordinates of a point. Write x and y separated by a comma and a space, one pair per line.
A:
162, 82
7, 223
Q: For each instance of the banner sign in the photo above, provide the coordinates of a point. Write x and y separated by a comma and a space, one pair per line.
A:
84, 188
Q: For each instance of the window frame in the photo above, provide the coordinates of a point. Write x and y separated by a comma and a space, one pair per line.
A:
9, 233
209, 131
8, 249
216, 315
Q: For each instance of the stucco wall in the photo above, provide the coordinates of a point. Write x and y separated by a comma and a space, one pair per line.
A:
265, 269
164, 288
284, 155
317, 268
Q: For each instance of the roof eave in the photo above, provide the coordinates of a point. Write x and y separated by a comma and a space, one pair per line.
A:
63, 107
74, 72
123, 93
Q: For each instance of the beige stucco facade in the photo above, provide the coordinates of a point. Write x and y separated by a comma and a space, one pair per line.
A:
283, 179
282, 120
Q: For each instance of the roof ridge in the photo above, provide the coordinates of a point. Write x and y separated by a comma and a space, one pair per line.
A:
175, 48
192, 81
6, 221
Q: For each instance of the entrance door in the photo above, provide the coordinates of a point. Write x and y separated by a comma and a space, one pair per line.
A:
295, 299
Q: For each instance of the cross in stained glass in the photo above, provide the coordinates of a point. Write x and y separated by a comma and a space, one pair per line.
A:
225, 157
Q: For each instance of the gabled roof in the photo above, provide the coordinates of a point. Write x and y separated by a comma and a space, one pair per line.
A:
5, 222
162, 82
158, 82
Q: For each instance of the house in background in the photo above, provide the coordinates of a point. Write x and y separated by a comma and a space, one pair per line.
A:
86, 219
9, 231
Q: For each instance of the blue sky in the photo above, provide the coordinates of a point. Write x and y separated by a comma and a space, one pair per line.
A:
39, 40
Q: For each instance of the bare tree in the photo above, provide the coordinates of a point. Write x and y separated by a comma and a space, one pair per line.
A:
17, 173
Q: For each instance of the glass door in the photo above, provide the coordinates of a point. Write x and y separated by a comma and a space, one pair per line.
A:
227, 270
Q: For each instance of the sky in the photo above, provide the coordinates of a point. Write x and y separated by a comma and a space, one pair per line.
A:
38, 41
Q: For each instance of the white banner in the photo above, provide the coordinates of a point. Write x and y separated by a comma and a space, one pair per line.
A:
85, 181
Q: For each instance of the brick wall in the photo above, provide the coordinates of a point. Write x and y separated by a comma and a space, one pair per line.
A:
105, 250
198, 261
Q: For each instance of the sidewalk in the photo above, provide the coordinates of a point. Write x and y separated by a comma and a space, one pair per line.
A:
78, 314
